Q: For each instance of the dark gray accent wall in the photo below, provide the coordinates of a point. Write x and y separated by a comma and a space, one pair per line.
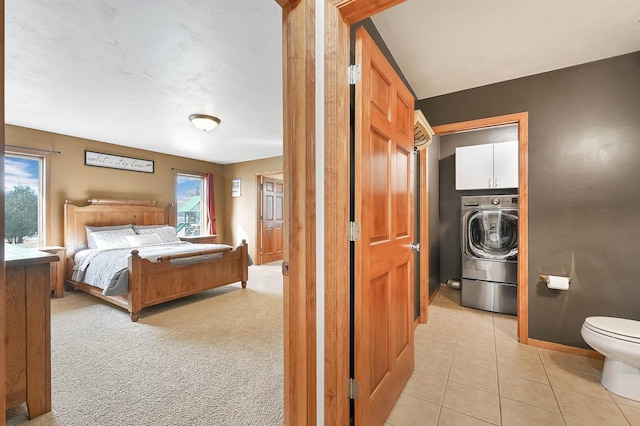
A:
584, 186
433, 179
450, 207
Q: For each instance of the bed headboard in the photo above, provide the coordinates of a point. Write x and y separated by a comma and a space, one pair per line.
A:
102, 212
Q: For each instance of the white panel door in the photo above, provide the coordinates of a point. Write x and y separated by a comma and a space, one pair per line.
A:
474, 167
505, 165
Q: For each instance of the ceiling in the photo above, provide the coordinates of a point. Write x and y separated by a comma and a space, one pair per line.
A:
444, 46
131, 72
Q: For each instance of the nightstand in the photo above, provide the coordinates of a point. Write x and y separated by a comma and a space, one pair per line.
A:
201, 239
57, 269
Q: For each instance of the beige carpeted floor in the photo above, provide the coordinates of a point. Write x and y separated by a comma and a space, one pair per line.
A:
211, 359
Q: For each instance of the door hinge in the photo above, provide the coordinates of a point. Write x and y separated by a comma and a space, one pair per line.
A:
354, 231
285, 269
415, 247
354, 74
354, 389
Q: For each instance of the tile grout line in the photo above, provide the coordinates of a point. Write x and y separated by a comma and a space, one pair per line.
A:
446, 383
495, 343
439, 413
473, 387
575, 371
544, 367
623, 414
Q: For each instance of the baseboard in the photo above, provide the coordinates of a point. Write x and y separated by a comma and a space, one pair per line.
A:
433, 296
589, 353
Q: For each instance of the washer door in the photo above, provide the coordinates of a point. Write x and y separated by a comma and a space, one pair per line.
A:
491, 234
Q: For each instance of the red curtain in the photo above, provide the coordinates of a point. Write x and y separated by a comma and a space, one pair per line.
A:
211, 205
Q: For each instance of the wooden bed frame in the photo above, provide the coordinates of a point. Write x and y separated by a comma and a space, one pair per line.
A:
150, 283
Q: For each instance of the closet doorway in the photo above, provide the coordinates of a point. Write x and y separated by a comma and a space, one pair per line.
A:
270, 217
522, 121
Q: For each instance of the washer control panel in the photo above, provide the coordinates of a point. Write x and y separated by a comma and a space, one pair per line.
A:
491, 201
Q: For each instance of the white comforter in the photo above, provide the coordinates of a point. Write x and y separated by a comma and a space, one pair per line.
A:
107, 269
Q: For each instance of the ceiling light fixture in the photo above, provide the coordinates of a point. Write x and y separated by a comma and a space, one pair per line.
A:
204, 122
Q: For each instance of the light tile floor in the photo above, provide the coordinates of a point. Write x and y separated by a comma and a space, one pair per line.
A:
471, 370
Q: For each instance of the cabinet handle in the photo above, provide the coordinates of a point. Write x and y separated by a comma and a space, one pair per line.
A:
495, 182
489, 182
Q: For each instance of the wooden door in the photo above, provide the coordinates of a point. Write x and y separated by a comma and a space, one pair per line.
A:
383, 257
271, 219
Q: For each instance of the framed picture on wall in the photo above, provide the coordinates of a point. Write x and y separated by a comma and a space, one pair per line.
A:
236, 187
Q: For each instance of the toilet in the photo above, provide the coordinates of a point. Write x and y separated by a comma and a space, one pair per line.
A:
618, 339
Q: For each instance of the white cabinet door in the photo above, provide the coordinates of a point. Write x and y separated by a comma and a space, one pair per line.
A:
505, 165
474, 167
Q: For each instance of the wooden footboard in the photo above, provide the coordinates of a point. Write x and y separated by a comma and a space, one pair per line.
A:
151, 283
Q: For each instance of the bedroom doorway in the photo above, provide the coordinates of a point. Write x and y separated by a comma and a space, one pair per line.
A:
270, 233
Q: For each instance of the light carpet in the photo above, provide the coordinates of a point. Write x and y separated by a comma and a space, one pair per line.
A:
215, 358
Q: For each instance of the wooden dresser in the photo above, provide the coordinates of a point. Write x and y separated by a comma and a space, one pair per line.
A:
28, 328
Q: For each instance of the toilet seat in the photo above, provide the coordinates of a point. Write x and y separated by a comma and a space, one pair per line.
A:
617, 328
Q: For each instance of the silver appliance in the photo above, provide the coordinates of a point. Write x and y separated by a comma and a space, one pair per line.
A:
490, 253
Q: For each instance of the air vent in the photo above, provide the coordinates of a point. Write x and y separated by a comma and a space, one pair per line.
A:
422, 131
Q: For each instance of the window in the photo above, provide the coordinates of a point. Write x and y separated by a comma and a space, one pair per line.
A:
24, 200
192, 205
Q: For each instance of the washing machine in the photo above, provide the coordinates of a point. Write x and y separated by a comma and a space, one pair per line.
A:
490, 253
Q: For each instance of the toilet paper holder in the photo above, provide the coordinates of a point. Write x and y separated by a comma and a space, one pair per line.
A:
545, 279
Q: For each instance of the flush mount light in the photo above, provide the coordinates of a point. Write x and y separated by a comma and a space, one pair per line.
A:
204, 122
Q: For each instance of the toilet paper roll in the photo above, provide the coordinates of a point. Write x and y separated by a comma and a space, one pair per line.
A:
558, 283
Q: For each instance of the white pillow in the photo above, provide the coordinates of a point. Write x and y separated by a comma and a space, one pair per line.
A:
112, 239
143, 240
166, 233
91, 229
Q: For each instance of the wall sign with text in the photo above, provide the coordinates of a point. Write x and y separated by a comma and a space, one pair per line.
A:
100, 159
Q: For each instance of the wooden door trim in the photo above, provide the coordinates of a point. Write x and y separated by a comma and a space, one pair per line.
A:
522, 120
336, 212
3, 284
424, 236
354, 11
299, 144
259, 209
299, 120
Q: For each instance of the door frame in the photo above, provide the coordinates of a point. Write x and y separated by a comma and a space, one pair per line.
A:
522, 120
301, 108
422, 169
3, 284
259, 206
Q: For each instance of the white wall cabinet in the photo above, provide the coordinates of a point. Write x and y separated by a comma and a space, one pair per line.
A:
487, 166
